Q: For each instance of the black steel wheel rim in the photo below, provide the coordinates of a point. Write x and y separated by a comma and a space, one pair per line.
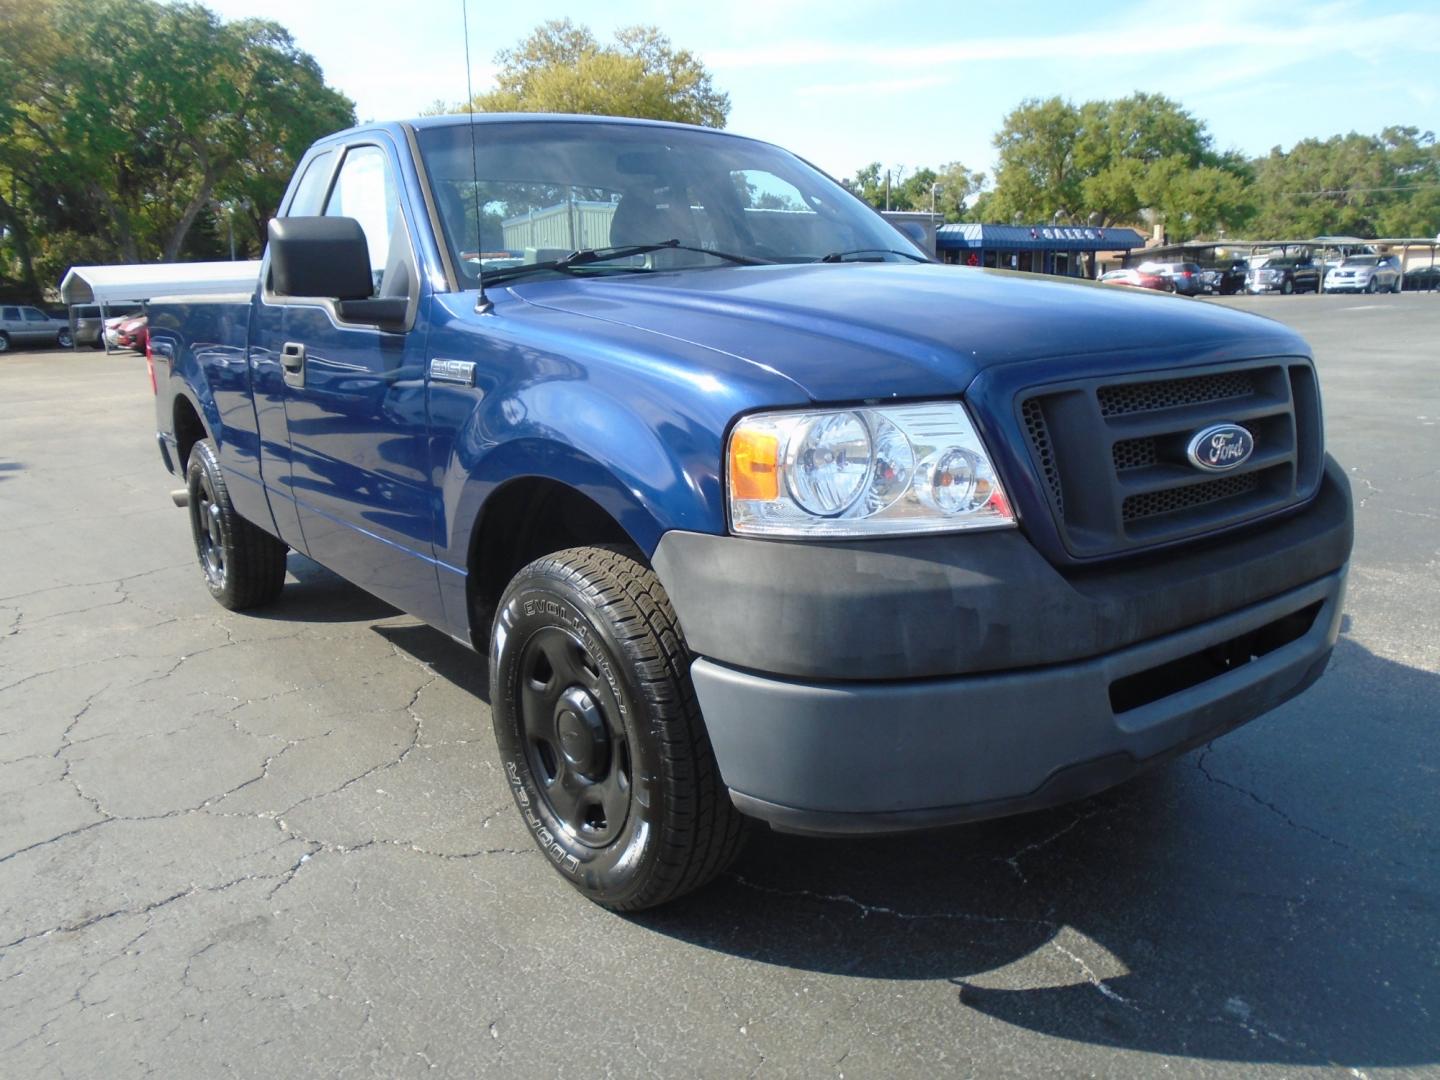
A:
208, 534
573, 737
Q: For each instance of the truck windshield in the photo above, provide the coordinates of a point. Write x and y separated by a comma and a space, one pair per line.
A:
546, 189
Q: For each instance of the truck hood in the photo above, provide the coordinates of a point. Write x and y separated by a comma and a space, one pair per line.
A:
850, 331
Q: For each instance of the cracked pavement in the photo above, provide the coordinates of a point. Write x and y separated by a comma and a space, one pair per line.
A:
279, 844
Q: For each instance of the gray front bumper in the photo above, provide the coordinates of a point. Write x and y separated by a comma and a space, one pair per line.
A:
859, 757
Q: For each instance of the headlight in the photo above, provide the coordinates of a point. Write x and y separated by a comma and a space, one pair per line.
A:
862, 472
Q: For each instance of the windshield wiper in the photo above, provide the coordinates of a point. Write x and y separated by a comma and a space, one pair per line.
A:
588, 256
840, 256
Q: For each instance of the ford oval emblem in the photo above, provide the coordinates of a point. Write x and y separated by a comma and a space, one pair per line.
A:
1220, 447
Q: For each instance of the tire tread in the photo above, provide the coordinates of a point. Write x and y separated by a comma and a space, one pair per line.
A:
255, 568
703, 832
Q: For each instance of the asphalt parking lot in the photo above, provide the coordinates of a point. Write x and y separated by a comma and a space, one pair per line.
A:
279, 844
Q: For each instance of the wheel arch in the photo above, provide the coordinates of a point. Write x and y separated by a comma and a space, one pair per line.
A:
189, 425
527, 517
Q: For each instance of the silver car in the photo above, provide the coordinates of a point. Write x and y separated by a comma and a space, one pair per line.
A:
31, 326
1364, 273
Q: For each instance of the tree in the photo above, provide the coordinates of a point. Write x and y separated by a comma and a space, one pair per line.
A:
1351, 185
958, 188
561, 67
123, 121
1037, 178
1105, 162
952, 186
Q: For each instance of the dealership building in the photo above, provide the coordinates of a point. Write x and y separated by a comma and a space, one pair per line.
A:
1065, 250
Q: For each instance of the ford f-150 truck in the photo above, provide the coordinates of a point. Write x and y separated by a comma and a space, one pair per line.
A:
754, 511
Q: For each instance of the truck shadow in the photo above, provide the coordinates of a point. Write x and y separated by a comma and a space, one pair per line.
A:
9, 468
1273, 900
317, 595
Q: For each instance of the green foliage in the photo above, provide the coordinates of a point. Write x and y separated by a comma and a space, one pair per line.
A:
1104, 162
563, 68
123, 123
952, 187
1352, 185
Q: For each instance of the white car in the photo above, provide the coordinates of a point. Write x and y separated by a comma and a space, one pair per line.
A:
1364, 273
112, 330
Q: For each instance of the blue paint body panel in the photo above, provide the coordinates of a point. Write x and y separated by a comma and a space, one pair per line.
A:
623, 388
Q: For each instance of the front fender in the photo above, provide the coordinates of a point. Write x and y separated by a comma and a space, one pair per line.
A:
648, 493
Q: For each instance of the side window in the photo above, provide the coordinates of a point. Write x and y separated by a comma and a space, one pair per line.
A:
310, 192
10, 314
31, 315
365, 190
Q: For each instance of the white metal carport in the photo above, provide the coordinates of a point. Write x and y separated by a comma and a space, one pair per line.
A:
136, 283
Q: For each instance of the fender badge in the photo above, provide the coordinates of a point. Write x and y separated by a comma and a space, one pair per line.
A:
459, 372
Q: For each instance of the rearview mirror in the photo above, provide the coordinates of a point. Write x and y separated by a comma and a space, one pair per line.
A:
320, 256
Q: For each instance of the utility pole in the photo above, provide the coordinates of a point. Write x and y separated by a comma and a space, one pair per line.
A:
887, 189
933, 189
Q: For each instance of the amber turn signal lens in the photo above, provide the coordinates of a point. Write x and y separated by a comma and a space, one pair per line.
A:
753, 460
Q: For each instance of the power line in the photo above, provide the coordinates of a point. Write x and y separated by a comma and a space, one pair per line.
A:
1355, 190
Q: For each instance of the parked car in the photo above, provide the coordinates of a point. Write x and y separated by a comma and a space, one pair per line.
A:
1136, 279
1425, 279
132, 333
753, 514
112, 330
20, 325
85, 322
1365, 273
1284, 274
1184, 277
1225, 278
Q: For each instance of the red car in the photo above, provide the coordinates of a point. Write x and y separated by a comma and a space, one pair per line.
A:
133, 333
1137, 279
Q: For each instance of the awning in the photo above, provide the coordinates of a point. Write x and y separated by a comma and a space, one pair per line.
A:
974, 236
131, 284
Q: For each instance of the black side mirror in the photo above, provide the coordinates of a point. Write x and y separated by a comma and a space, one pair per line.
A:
320, 256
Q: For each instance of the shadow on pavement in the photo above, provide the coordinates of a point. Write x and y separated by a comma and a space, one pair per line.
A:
1179, 914
1194, 912
446, 657
319, 596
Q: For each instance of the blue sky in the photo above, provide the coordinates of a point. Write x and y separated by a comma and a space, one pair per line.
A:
923, 83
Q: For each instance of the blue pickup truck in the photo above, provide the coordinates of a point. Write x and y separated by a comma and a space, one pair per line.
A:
753, 511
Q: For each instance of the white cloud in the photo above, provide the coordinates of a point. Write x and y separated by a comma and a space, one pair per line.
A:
874, 87
1293, 36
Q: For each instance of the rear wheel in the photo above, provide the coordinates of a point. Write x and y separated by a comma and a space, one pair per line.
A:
600, 734
4, 343
244, 566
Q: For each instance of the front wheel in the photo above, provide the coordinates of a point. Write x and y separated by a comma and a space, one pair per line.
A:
244, 566
1371, 287
64, 340
600, 734
1288, 287
4, 343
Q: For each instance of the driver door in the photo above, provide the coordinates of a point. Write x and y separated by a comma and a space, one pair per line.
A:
354, 403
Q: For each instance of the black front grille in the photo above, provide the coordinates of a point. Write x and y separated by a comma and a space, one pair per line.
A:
1169, 500
1134, 453
1112, 453
1167, 393
1044, 457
